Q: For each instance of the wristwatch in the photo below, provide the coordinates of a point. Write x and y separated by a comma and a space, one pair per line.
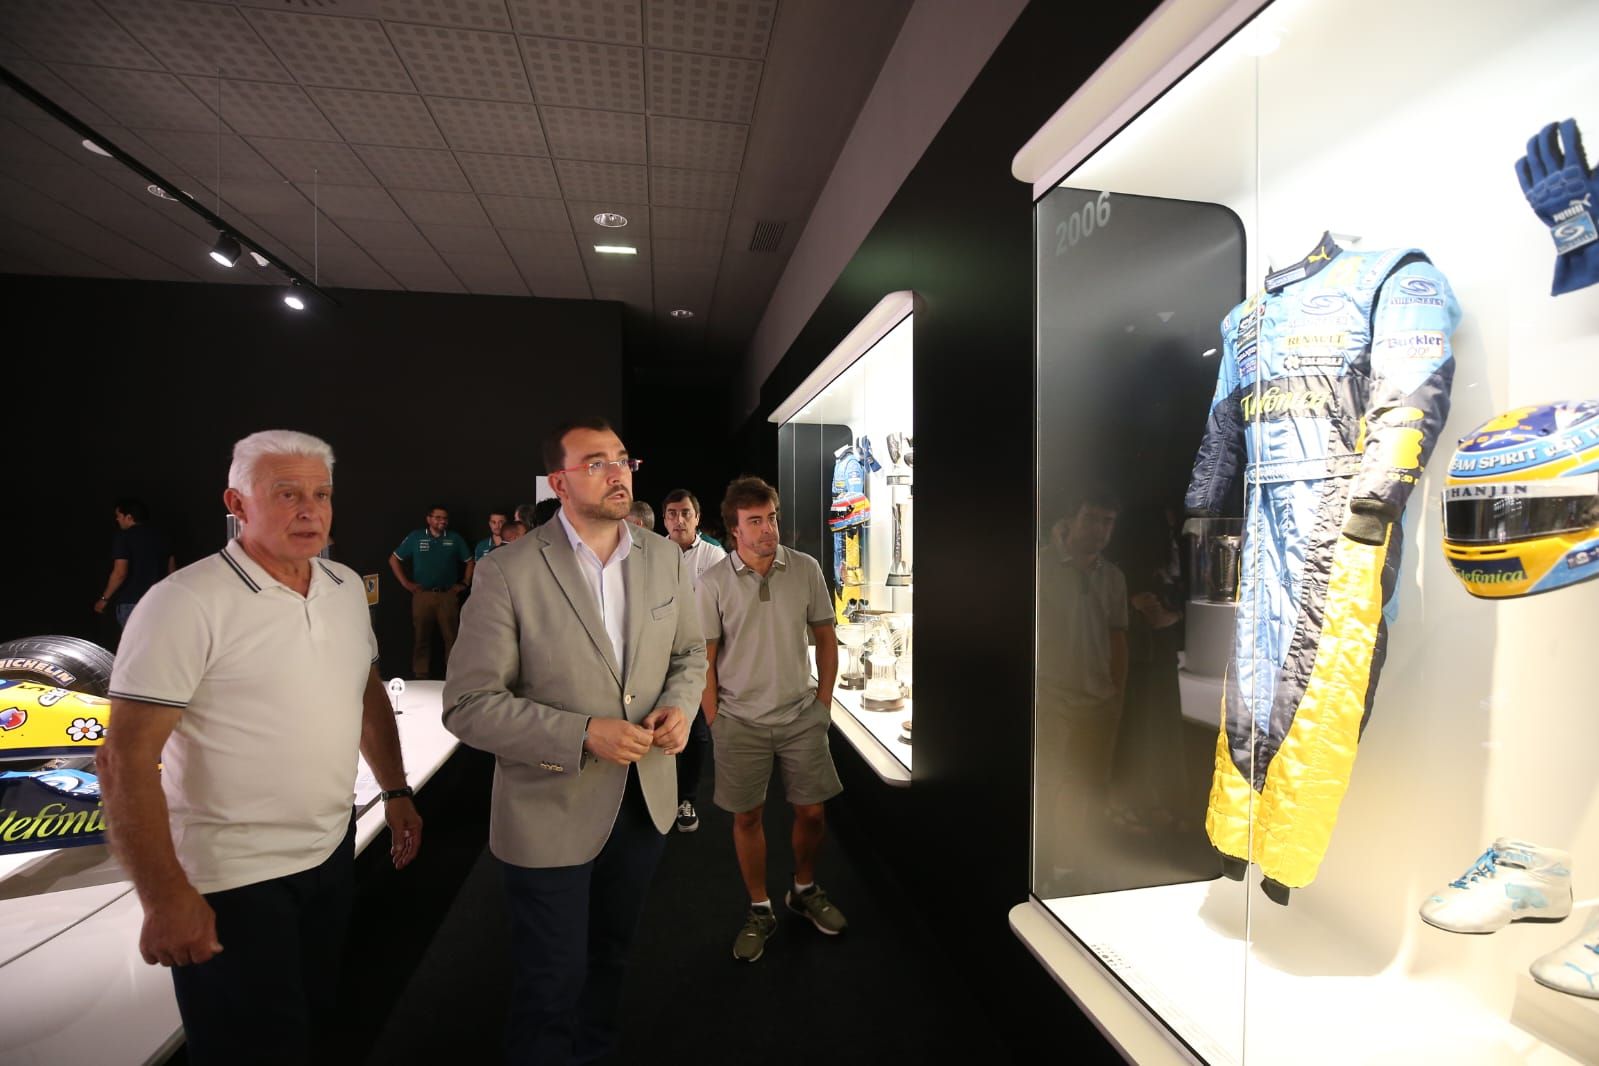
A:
399, 793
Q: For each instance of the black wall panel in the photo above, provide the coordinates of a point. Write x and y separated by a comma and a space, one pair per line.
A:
960, 234
141, 388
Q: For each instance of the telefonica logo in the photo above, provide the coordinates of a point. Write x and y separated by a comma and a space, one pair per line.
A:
51, 820
1505, 573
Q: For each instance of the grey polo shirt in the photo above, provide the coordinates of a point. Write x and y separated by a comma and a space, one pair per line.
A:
1077, 612
763, 672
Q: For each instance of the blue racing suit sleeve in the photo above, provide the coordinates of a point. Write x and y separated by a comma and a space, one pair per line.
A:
1221, 451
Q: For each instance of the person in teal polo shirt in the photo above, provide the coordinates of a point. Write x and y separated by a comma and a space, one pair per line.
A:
435, 583
493, 540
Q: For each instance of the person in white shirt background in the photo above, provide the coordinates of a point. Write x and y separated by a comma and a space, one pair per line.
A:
680, 512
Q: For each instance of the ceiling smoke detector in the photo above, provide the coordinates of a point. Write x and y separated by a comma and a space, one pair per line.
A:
682, 312
610, 220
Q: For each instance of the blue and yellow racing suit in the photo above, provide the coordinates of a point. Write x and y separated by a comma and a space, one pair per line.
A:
1330, 397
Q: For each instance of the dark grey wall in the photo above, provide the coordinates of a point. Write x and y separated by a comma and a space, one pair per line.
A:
140, 388
960, 234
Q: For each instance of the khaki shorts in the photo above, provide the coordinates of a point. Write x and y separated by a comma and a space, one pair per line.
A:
744, 755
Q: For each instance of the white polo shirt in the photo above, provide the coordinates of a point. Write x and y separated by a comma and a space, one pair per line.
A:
259, 774
700, 558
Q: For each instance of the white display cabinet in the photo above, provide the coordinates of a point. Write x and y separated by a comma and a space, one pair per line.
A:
1264, 831
846, 452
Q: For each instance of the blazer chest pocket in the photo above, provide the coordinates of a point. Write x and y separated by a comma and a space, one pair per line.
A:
665, 611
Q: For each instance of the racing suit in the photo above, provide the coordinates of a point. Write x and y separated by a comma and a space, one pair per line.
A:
1330, 397
850, 512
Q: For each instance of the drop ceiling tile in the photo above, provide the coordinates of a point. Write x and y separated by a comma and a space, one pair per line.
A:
197, 153
487, 274
344, 202
264, 109
510, 175
549, 262
413, 168
194, 38
616, 21
398, 120
601, 136
324, 162
462, 63
489, 126
266, 197
22, 251
720, 27
468, 14
351, 268
420, 270
585, 74
685, 257
72, 31
689, 224
582, 214
699, 86
441, 208
711, 189
141, 97
525, 212
603, 181
449, 239
344, 53
373, 234
687, 142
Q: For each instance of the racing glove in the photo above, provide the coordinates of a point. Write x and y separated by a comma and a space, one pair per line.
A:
1559, 185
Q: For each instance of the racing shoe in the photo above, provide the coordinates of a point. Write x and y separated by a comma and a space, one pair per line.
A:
1574, 968
1513, 881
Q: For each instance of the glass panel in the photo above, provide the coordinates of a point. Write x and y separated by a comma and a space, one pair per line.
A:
1138, 261
848, 467
1396, 128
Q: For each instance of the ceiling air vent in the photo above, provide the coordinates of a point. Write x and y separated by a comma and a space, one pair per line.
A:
768, 235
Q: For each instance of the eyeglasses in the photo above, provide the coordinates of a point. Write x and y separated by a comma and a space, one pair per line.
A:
597, 467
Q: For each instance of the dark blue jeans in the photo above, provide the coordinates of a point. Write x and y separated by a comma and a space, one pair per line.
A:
691, 763
571, 927
269, 997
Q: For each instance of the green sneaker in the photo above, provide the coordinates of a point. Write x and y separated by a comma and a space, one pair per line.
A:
750, 943
814, 904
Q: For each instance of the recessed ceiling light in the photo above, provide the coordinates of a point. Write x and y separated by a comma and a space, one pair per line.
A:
610, 220
260, 260
159, 193
616, 249
682, 312
95, 148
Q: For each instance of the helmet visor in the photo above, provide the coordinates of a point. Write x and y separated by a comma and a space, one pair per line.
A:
1501, 520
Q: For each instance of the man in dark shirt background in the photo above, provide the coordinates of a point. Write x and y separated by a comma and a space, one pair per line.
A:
140, 556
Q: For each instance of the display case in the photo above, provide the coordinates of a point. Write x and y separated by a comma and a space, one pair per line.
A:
846, 454
1318, 510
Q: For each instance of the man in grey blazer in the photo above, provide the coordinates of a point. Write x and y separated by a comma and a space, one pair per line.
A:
579, 666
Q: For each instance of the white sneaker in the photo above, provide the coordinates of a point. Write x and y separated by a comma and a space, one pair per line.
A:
1575, 967
1513, 881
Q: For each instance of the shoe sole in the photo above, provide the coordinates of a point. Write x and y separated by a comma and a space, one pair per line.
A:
688, 828
820, 928
1490, 932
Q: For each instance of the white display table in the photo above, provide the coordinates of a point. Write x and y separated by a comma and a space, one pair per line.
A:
75, 988
875, 735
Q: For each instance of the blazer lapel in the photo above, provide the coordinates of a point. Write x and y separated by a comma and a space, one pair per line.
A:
564, 565
638, 604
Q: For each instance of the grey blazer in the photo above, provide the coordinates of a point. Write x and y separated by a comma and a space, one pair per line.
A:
533, 663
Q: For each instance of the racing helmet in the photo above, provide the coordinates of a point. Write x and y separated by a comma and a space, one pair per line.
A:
1521, 503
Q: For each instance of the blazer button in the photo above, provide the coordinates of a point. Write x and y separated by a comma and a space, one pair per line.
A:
628, 699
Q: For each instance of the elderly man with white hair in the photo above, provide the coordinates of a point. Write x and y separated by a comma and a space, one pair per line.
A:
242, 690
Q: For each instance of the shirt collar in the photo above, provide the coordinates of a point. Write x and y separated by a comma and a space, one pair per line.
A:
623, 548
779, 561
255, 576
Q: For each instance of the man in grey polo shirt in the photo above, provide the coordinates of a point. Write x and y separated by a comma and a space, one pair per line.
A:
757, 607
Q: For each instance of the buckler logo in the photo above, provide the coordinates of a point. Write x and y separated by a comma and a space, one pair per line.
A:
1278, 401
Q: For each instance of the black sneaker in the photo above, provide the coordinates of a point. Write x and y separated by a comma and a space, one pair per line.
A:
688, 819
814, 905
750, 944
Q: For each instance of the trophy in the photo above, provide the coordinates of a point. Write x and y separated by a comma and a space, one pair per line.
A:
901, 452
883, 691
851, 674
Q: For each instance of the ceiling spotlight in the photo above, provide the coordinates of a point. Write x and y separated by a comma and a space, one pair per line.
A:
292, 297
95, 148
616, 249
226, 250
682, 312
608, 219
260, 260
